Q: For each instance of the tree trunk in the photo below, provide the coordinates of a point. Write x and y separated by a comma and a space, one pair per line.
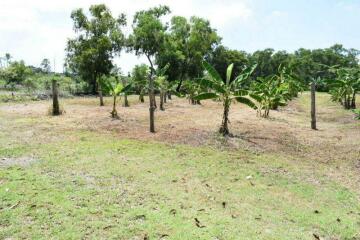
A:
141, 98
347, 102
94, 85
126, 101
313, 106
224, 129
100, 95
266, 113
162, 98
152, 110
353, 101
151, 97
154, 99
55, 97
114, 112
169, 96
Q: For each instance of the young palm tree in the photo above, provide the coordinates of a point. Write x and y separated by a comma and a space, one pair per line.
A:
115, 89
226, 90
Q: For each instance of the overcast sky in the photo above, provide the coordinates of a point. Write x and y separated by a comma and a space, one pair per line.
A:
35, 29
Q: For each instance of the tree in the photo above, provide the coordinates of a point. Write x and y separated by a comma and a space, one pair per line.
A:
222, 57
226, 90
45, 65
148, 39
115, 89
187, 44
263, 59
140, 80
8, 58
99, 39
16, 73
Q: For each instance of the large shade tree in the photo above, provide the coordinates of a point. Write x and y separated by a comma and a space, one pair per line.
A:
148, 39
99, 38
222, 57
187, 44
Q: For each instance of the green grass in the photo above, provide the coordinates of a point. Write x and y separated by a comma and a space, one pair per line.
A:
93, 185
89, 185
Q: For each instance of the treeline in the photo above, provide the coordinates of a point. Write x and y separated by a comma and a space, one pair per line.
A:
17, 76
183, 44
186, 57
305, 64
180, 46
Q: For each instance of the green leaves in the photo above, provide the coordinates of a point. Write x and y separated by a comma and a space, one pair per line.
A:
148, 35
119, 87
205, 96
270, 93
244, 75
344, 88
115, 88
213, 73
229, 73
206, 83
126, 89
246, 101
257, 97
98, 39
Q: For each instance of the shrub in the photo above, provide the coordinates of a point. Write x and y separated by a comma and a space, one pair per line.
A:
357, 113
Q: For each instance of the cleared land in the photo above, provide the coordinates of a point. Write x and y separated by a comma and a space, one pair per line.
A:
84, 175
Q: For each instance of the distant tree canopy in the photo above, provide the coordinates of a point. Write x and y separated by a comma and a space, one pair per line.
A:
98, 40
45, 65
187, 43
305, 64
15, 73
181, 44
222, 57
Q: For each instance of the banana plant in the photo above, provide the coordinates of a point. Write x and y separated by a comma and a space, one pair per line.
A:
345, 87
162, 84
227, 90
115, 89
191, 89
286, 77
269, 93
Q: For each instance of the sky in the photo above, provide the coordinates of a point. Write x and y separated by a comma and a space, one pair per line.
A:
38, 29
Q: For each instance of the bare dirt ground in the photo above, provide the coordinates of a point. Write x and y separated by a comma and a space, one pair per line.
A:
21, 161
287, 131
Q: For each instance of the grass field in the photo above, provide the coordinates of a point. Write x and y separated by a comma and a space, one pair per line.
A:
85, 176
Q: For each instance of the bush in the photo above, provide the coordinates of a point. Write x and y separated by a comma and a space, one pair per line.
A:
357, 113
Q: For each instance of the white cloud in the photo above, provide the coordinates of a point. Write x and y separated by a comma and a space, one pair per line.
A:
33, 30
